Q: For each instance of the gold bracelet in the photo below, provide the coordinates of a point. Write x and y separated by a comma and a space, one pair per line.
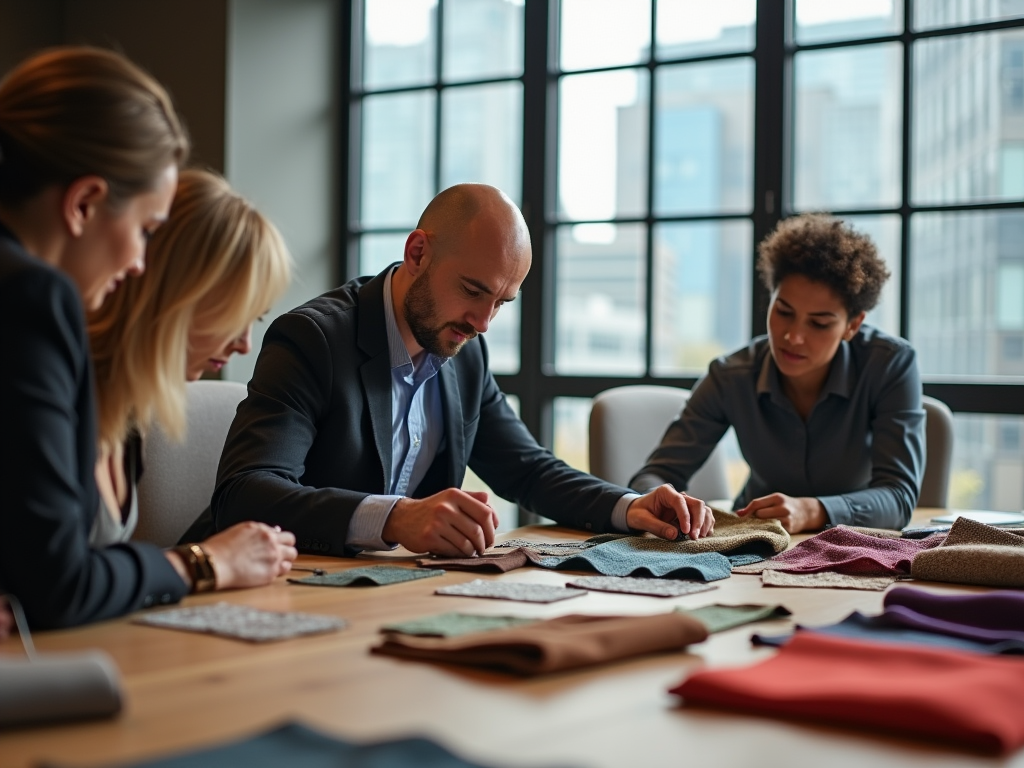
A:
200, 567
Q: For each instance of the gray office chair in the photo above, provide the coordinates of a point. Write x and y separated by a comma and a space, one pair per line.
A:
178, 478
627, 423
939, 457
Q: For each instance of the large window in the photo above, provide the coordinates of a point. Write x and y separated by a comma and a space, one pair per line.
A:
653, 143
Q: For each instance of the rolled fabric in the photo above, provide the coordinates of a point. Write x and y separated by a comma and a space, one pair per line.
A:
53, 687
567, 642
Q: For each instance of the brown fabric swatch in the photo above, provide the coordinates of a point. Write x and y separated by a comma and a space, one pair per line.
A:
974, 553
567, 642
967, 531
491, 562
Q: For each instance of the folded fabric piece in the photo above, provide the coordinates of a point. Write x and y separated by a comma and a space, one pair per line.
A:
368, 576
826, 580
297, 746
568, 642
511, 590
242, 622
491, 562
632, 586
993, 615
455, 624
967, 699
844, 550
719, 617
974, 553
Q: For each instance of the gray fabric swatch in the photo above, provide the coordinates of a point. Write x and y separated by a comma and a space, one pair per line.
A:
634, 586
826, 580
511, 590
372, 575
242, 622
455, 624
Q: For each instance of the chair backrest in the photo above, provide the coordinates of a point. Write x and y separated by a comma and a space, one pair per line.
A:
627, 423
939, 457
178, 478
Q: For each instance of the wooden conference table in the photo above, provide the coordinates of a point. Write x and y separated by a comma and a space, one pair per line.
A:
184, 691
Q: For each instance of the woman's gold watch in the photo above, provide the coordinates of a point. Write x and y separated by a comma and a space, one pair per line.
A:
199, 565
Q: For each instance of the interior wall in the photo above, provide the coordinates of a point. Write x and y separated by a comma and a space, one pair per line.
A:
27, 27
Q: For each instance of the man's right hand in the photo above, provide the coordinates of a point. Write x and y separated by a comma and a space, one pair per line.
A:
452, 523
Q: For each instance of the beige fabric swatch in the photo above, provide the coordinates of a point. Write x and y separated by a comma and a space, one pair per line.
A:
974, 553
732, 531
826, 579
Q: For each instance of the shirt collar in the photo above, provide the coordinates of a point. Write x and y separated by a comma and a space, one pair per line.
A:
399, 355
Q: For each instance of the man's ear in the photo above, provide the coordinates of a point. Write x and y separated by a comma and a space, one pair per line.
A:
81, 202
854, 326
417, 252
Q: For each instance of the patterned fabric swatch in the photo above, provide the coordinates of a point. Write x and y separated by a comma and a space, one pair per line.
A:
843, 550
966, 699
826, 580
511, 590
974, 553
242, 623
297, 746
556, 547
567, 642
455, 624
368, 576
718, 617
634, 586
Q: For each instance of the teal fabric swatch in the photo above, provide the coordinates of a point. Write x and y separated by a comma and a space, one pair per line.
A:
456, 624
718, 617
369, 576
634, 555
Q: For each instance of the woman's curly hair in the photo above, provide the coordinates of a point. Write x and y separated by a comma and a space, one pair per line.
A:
825, 250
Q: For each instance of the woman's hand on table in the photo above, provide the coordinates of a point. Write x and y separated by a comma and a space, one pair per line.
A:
250, 554
796, 513
667, 513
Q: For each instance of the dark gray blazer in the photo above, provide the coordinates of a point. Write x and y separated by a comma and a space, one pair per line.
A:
313, 437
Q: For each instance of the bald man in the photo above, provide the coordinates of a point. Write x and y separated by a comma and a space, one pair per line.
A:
368, 403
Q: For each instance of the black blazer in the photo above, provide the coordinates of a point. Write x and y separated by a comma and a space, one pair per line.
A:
313, 437
48, 458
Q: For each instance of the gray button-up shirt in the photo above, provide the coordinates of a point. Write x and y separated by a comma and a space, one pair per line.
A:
861, 451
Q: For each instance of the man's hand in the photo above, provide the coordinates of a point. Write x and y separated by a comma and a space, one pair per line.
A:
669, 514
452, 523
250, 554
796, 513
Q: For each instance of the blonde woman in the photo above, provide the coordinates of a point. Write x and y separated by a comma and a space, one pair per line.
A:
214, 267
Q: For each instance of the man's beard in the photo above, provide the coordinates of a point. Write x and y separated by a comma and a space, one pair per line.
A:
421, 315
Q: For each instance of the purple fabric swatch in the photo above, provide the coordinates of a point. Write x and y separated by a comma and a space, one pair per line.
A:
987, 617
843, 550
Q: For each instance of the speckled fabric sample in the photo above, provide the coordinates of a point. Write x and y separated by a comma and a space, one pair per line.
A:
242, 623
633, 586
826, 580
455, 624
369, 576
974, 553
967, 531
718, 617
511, 590
555, 547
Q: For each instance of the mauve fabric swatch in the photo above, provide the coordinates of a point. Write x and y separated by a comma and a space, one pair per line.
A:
967, 699
567, 642
844, 550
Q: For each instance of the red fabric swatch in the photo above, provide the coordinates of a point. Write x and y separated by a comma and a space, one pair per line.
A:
844, 550
971, 700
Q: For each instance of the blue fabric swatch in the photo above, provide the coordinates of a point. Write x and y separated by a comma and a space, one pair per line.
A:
636, 556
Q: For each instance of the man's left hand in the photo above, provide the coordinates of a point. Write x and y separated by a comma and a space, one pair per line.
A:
669, 514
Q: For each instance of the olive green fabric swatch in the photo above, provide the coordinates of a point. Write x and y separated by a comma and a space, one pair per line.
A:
718, 617
369, 576
455, 624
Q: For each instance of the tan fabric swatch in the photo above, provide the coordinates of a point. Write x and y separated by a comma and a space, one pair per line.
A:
732, 531
967, 531
826, 579
974, 553
568, 642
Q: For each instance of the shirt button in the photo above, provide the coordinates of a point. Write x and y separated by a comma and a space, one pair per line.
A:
416, 442
148, 601
165, 599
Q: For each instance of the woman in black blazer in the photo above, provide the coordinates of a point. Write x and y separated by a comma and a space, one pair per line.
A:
90, 148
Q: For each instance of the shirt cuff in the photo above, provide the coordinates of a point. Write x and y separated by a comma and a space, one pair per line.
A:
647, 482
837, 510
619, 513
366, 528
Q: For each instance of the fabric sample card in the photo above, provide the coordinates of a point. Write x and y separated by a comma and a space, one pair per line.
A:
371, 575
567, 642
455, 624
974, 553
297, 746
242, 623
511, 590
826, 580
967, 699
633, 586
843, 550
718, 617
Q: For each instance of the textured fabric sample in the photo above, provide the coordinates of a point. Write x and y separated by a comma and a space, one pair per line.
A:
718, 617
511, 590
368, 576
556, 547
967, 699
633, 586
974, 553
491, 562
455, 624
568, 642
242, 622
1001, 612
826, 580
844, 550
297, 746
